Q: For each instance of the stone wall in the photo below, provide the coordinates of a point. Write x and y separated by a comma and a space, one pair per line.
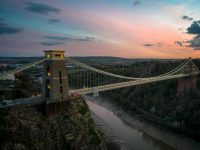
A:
186, 84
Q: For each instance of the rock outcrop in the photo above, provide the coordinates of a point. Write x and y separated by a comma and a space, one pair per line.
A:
27, 129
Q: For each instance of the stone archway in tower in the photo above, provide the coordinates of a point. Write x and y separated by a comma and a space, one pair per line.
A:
47, 82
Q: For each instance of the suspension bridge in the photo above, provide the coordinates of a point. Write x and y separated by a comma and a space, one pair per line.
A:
63, 75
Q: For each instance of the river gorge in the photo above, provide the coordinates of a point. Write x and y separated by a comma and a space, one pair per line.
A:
133, 133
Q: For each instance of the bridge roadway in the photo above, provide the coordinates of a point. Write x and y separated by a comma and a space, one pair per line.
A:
40, 99
125, 84
178, 72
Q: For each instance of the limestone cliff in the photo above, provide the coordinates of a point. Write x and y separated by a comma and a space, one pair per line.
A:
25, 128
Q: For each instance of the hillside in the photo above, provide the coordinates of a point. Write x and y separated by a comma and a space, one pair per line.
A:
26, 129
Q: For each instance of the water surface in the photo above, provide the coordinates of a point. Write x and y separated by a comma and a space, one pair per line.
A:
132, 137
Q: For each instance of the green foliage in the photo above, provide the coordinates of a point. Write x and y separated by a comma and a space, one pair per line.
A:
24, 87
95, 138
161, 96
5, 135
188, 114
84, 109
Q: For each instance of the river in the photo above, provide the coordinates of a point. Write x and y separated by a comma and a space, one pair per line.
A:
134, 138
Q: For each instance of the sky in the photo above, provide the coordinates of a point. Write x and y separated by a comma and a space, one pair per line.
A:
120, 28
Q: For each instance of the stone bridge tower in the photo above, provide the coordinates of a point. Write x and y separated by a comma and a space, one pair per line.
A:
55, 81
186, 84
189, 83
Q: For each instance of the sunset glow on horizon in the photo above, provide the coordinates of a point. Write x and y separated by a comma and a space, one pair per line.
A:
120, 28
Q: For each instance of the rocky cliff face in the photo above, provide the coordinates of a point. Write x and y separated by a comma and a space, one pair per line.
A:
25, 128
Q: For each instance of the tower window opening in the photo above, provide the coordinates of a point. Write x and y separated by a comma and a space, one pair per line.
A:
58, 55
60, 77
47, 88
48, 72
61, 89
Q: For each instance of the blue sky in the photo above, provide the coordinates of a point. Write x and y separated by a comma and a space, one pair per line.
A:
122, 28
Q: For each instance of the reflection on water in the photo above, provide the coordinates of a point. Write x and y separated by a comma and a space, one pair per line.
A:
133, 138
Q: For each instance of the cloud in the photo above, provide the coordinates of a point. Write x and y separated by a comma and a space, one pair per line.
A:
51, 43
137, 2
187, 18
86, 39
41, 8
194, 28
53, 20
159, 44
6, 29
148, 45
153, 44
59, 38
195, 42
180, 29
67, 39
179, 43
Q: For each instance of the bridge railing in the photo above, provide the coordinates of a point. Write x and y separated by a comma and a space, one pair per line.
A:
22, 101
124, 84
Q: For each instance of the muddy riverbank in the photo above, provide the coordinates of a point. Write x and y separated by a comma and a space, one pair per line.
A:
146, 134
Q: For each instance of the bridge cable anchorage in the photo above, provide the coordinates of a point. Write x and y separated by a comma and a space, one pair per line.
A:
10, 74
